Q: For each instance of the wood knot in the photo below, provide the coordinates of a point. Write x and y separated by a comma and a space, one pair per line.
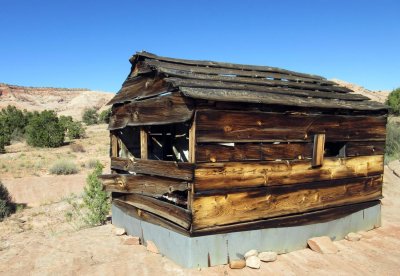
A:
227, 128
213, 159
122, 183
259, 123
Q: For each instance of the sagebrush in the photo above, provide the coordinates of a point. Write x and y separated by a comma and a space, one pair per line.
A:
392, 148
63, 167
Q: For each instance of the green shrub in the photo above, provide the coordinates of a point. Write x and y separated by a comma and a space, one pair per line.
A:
7, 207
394, 101
63, 167
2, 144
90, 116
12, 119
105, 115
95, 199
73, 129
45, 130
392, 148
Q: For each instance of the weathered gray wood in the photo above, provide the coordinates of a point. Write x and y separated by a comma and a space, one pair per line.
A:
266, 89
223, 65
230, 95
257, 81
160, 110
139, 87
237, 126
233, 72
360, 148
154, 186
160, 208
176, 170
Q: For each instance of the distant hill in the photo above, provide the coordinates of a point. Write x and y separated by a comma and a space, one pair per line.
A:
378, 96
65, 101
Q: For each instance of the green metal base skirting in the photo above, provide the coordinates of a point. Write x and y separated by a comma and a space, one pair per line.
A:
210, 250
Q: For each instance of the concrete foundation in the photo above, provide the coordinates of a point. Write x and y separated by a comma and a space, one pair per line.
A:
210, 250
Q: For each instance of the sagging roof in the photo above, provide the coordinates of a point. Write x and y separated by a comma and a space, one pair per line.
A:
220, 81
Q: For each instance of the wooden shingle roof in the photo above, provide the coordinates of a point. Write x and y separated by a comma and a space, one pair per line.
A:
220, 81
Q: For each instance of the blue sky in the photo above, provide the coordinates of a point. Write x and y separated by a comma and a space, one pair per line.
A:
88, 43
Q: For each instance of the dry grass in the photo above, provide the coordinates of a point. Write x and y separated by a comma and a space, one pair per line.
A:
21, 160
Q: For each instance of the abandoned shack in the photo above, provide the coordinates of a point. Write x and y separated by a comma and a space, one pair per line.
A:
211, 159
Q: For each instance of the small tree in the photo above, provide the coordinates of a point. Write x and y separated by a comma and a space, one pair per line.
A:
90, 116
95, 199
394, 101
73, 130
45, 130
105, 115
7, 207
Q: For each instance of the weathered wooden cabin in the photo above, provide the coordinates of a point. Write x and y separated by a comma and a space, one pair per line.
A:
211, 159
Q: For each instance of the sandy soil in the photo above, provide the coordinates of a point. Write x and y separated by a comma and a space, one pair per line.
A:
41, 241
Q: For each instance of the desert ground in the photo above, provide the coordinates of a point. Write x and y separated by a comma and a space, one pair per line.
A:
41, 240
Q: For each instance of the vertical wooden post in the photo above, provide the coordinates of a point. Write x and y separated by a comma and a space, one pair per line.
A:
318, 150
114, 145
143, 143
192, 141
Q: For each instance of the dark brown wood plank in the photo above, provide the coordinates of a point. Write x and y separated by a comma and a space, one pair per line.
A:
160, 208
149, 217
154, 111
233, 72
242, 206
274, 99
236, 126
319, 216
360, 148
171, 169
252, 151
223, 65
260, 88
148, 185
229, 175
140, 87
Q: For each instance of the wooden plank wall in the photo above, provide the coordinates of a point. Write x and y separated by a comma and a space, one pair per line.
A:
253, 166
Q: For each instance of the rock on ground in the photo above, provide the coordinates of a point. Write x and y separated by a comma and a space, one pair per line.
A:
253, 262
268, 256
353, 237
250, 253
129, 240
237, 264
322, 245
119, 231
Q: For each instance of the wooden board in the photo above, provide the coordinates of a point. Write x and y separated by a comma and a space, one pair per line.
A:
149, 217
235, 126
140, 87
177, 170
318, 216
221, 209
143, 143
365, 148
161, 110
148, 185
181, 82
318, 150
233, 175
252, 151
160, 208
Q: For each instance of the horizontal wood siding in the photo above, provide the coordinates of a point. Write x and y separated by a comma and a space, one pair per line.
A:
364, 148
154, 111
235, 126
231, 175
149, 217
171, 169
149, 185
160, 208
252, 151
211, 210
318, 216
